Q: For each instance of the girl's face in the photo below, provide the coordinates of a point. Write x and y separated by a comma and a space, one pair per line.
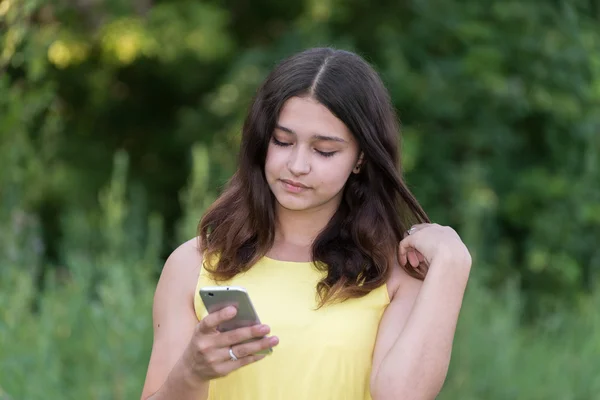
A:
310, 156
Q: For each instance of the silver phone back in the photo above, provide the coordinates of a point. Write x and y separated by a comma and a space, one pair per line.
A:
216, 298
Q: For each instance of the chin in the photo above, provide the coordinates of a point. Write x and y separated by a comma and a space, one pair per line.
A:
293, 204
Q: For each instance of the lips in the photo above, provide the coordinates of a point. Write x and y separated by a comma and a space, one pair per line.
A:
294, 183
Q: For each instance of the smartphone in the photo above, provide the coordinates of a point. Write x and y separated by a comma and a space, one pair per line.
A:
216, 298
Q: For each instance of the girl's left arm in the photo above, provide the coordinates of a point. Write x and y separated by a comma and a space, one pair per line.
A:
414, 342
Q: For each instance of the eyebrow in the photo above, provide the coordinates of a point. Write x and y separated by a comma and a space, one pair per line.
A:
318, 137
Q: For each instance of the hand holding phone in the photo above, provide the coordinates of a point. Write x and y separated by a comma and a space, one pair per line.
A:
227, 327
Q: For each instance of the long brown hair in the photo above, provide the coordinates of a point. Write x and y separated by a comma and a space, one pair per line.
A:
359, 245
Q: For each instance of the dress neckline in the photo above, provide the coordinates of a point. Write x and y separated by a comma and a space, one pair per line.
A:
297, 263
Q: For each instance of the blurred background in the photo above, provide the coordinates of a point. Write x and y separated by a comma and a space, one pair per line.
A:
119, 124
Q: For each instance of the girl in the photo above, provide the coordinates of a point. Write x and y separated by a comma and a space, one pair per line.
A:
315, 224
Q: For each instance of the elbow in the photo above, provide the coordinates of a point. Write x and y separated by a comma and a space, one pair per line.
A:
385, 390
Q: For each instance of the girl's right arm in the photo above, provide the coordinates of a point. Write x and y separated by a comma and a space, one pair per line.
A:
187, 354
174, 321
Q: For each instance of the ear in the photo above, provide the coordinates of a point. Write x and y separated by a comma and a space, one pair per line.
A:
359, 163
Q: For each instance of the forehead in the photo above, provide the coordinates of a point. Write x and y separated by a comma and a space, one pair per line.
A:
307, 117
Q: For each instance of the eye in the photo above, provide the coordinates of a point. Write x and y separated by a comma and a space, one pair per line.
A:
326, 153
278, 143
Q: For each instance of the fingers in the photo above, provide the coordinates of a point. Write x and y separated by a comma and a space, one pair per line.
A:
413, 259
210, 323
209, 349
407, 254
240, 335
410, 255
249, 349
404, 248
246, 353
415, 228
230, 366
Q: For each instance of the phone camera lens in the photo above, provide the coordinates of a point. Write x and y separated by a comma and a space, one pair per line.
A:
210, 294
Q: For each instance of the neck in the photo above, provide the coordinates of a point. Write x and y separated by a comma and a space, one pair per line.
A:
300, 228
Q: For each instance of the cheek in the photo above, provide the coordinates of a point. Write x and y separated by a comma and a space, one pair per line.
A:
274, 161
334, 176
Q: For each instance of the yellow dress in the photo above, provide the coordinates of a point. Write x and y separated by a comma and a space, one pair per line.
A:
322, 354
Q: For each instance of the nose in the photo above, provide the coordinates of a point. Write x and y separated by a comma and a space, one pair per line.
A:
298, 162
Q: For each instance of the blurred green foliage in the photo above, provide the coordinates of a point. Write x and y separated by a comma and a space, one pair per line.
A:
119, 123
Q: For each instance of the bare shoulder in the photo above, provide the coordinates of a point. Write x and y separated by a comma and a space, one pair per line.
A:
181, 268
173, 315
401, 284
185, 258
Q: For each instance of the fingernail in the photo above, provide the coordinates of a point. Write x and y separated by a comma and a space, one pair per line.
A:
230, 312
263, 329
274, 341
